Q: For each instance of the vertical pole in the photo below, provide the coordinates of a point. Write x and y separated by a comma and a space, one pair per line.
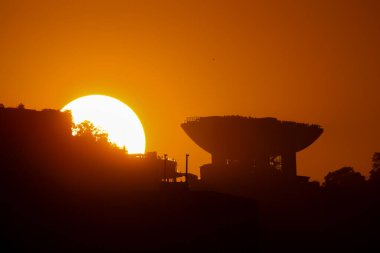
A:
187, 165
175, 174
165, 157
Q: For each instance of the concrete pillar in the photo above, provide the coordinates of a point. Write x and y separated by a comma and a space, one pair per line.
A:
218, 159
262, 165
289, 164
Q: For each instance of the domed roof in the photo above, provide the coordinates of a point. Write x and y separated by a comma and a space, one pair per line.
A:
235, 136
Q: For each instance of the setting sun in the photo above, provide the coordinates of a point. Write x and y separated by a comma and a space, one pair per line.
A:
111, 115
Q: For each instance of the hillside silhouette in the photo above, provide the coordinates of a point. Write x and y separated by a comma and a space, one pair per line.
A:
65, 193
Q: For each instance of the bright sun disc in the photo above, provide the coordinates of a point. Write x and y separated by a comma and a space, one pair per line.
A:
111, 115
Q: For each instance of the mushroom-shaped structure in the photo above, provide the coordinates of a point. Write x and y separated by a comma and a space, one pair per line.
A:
246, 139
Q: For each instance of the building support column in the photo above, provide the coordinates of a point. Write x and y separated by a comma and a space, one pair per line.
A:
289, 164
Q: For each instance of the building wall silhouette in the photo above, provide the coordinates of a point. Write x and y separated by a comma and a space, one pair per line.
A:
250, 154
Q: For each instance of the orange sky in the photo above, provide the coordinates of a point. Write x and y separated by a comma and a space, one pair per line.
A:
307, 61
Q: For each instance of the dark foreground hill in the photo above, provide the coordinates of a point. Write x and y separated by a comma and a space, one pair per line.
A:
129, 222
60, 193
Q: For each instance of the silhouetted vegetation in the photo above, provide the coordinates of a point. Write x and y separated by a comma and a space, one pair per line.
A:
345, 177
87, 130
374, 174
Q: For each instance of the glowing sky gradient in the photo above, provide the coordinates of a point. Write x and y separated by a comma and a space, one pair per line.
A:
305, 61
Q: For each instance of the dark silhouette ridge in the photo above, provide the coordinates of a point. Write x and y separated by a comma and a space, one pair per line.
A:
42, 140
65, 193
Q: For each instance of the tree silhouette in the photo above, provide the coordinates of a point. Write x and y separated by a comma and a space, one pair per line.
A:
345, 177
87, 130
374, 174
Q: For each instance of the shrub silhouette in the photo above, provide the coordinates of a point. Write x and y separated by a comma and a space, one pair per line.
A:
374, 174
345, 177
88, 130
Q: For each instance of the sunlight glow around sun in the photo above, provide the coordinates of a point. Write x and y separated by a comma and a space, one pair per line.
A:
111, 115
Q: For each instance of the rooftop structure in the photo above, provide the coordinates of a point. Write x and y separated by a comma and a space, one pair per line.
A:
260, 144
